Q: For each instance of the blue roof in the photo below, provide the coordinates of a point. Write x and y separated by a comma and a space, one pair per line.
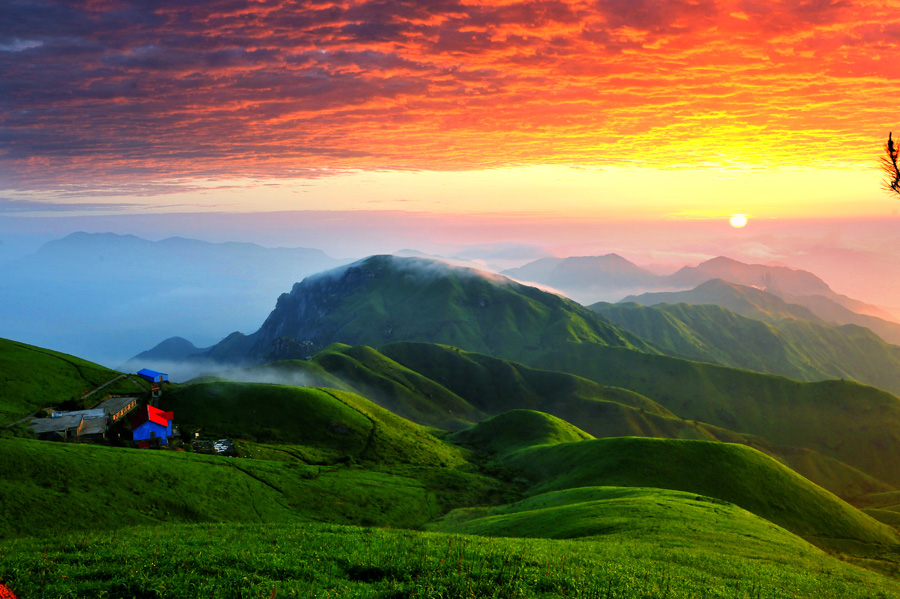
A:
148, 372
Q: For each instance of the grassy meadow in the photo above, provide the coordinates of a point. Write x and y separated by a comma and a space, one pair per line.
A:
220, 561
334, 495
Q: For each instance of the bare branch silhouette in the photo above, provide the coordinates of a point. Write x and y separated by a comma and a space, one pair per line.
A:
889, 165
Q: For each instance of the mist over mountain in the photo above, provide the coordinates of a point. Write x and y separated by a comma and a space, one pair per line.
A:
793, 285
106, 296
588, 278
763, 305
744, 300
385, 298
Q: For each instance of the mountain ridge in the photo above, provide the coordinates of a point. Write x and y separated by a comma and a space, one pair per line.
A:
384, 298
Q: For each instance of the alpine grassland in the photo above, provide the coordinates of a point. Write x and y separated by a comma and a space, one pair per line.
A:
335, 495
516, 429
373, 375
219, 561
330, 422
50, 488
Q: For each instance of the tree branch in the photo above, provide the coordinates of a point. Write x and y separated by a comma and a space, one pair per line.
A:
889, 165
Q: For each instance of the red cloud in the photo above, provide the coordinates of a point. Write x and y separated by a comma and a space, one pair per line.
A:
98, 92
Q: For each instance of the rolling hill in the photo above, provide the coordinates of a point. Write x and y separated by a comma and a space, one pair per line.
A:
333, 456
98, 488
733, 473
807, 350
853, 423
320, 425
33, 377
449, 388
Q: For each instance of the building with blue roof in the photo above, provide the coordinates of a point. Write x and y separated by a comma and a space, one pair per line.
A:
153, 376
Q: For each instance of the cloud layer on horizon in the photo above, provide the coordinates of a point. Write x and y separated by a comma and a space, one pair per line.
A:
101, 92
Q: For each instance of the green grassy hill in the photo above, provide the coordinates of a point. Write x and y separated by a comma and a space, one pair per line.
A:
853, 423
33, 377
369, 373
200, 525
638, 512
733, 473
316, 425
496, 385
808, 350
481, 385
50, 488
615, 412
516, 429
446, 387
385, 298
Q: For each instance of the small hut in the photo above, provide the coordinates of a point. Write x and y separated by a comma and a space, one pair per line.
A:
151, 423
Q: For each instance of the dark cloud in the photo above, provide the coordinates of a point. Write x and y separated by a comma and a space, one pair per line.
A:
98, 90
673, 16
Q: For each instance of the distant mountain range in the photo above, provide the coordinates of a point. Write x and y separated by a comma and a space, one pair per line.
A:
610, 277
760, 304
106, 296
792, 285
743, 327
582, 276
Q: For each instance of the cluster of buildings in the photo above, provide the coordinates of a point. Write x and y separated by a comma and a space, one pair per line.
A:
148, 423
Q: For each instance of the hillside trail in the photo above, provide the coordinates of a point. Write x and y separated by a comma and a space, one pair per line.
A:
86, 395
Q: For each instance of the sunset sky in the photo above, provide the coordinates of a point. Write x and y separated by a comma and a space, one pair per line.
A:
616, 109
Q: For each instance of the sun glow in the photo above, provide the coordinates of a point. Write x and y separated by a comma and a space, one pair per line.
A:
738, 220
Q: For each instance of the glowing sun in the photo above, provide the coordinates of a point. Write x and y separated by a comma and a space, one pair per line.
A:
738, 220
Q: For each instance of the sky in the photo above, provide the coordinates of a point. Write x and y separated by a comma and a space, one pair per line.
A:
518, 122
236, 105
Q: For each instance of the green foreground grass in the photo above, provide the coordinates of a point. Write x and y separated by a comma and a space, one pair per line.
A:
50, 489
319, 560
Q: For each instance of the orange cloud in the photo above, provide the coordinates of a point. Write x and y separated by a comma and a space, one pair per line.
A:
99, 92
